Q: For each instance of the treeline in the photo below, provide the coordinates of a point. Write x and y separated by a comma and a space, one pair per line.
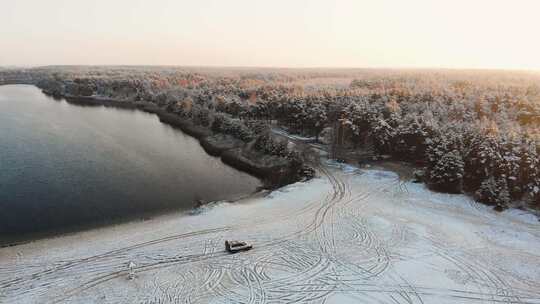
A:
471, 131
487, 146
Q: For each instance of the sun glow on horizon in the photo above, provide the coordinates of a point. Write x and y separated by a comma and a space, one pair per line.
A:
317, 33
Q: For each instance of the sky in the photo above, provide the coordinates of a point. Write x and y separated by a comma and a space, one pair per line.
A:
497, 34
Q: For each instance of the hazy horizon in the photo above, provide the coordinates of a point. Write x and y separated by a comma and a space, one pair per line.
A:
278, 34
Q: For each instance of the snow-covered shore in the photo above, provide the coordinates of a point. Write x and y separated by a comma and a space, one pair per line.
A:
350, 236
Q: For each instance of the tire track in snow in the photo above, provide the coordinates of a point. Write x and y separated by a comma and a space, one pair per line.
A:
290, 267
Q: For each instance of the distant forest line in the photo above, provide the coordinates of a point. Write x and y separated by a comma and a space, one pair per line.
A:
470, 131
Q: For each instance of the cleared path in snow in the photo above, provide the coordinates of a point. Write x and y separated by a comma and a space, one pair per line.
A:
349, 236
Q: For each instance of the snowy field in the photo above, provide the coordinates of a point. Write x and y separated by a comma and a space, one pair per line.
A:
349, 236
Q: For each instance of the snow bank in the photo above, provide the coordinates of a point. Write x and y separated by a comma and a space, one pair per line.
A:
349, 236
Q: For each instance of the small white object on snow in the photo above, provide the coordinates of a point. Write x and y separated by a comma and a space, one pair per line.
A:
131, 273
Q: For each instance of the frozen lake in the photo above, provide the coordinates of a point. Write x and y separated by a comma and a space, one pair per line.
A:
65, 166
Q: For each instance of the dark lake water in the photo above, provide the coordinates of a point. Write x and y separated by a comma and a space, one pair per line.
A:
66, 166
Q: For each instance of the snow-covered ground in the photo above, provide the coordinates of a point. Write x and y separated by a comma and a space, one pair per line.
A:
350, 236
